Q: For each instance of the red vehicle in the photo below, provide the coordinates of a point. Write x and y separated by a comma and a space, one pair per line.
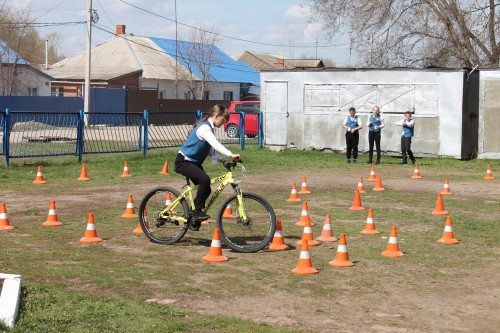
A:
252, 110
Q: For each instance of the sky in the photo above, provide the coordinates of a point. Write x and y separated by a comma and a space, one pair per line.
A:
281, 27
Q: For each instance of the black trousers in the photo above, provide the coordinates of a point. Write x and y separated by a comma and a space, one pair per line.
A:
198, 176
406, 148
352, 140
373, 138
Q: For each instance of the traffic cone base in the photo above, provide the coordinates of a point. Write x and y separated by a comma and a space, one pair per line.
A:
39, 177
439, 210
90, 233
83, 173
304, 189
326, 233
357, 202
52, 220
304, 265
4, 218
341, 257
393, 246
369, 225
130, 210
164, 170
448, 237
278, 243
294, 196
489, 174
215, 252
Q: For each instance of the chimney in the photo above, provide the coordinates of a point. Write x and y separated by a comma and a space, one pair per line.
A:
120, 29
280, 62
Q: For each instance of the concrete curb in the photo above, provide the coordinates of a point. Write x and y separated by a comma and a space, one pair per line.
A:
9, 298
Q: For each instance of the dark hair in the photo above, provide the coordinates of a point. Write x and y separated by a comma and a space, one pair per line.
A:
216, 110
408, 112
351, 109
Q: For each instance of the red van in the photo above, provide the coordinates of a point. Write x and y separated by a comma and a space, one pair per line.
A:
252, 110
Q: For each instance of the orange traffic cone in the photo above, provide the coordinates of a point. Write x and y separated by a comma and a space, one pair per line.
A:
448, 237
439, 210
294, 197
39, 176
304, 216
129, 210
369, 225
360, 187
357, 202
326, 233
303, 188
164, 171
278, 243
126, 172
342, 257
90, 234
307, 235
393, 246
489, 174
215, 252
83, 173
373, 177
228, 212
4, 218
446, 188
138, 229
416, 173
378, 184
52, 220
305, 264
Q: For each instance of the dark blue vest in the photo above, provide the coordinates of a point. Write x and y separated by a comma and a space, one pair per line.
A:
375, 122
194, 149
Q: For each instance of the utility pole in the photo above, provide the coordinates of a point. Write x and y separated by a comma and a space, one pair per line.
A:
86, 101
176, 50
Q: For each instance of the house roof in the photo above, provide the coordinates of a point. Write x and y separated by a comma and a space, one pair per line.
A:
9, 56
153, 57
265, 61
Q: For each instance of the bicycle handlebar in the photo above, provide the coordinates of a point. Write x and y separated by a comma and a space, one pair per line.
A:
232, 164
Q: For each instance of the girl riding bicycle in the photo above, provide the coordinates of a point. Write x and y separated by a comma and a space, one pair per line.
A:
200, 143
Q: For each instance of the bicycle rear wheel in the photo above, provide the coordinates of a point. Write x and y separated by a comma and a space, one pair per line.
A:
162, 230
253, 234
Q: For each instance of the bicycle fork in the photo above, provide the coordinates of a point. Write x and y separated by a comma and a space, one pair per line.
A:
242, 215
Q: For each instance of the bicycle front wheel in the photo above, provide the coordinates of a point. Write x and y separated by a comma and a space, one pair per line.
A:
250, 232
166, 229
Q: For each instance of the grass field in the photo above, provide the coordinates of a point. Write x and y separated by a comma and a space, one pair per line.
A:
127, 284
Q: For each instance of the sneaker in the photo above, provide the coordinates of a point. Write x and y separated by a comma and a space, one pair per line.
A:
369, 162
377, 162
354, 161
402, 163
348, 161
200, 216
413, 162
194, 225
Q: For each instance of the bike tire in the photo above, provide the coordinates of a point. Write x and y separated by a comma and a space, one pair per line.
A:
250, 237
162, 231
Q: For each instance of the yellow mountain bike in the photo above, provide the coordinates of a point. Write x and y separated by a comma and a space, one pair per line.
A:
165, 213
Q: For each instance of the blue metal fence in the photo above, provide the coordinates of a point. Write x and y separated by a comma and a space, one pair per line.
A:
39, 134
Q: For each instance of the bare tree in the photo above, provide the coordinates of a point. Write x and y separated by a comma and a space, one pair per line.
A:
388, 33
199, 56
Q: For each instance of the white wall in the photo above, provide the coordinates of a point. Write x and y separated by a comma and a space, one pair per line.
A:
318, 102
489, 114
216, 89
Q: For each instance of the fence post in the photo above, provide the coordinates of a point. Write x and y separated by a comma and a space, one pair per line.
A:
6, 136
260, 138
146, 137
242, 130
198, 115
79, 136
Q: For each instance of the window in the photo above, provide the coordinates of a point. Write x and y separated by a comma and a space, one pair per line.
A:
206, 95
33, 91
79, 92
228, 95
57, 91
161, 94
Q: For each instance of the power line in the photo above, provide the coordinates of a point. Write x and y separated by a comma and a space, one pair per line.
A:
39, 24
230, 37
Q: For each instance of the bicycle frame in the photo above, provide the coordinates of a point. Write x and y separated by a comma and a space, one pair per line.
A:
187, 194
